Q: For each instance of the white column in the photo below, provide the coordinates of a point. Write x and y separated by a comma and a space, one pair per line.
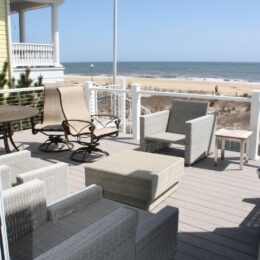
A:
115, 43
55, 34
22, 26
254, 125
10, 46
136, 110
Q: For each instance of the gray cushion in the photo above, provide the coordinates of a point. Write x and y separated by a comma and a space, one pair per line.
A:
183, 111
167, 137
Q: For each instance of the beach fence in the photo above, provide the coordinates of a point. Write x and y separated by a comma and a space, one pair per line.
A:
129, 107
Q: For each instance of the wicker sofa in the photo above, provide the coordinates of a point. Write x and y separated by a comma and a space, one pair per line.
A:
17, 168
187, 123
85, 226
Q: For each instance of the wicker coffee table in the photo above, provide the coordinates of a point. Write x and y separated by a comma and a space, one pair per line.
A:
136, 178
234, 135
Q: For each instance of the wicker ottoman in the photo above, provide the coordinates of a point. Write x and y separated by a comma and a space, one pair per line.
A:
136, 178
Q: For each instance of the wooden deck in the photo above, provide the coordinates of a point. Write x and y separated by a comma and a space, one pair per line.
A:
219, 206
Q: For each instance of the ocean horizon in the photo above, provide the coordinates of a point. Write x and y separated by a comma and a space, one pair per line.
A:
209, 71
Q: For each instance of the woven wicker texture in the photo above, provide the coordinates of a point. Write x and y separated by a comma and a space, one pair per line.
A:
55, 178
183, 111
98, 230
20, 162
188, 124
112, 237
6, 177
135, 178
25, 209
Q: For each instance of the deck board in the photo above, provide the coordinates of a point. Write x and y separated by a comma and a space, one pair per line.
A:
217, 204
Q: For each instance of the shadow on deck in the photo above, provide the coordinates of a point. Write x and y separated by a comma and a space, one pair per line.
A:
219, 206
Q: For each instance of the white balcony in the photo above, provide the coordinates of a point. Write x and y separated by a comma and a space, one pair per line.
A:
32, 55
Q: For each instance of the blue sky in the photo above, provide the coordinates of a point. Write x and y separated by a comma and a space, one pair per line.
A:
152, 30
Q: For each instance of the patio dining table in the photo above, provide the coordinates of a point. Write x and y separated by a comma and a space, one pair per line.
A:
9, 114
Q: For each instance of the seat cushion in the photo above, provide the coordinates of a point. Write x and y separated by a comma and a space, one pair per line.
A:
52, 234
167, 137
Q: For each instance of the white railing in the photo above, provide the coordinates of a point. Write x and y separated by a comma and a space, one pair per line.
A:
136, 108
32, 54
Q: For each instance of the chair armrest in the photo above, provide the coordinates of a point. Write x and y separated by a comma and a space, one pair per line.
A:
6, 177
152, 124
13, 158
76, 127
55, 177
25, 209
112, 237
157, 237
199, 137
74, 202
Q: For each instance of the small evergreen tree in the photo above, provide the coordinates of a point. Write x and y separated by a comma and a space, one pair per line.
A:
24, 81
3, 76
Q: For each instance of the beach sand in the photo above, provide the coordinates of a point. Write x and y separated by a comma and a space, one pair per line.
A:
208, 87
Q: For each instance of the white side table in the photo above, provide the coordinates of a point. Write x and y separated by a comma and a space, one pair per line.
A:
234, 135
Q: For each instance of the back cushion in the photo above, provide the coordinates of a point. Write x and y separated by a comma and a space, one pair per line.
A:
182, 111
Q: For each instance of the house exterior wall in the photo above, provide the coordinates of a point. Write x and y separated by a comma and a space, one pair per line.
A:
3, 34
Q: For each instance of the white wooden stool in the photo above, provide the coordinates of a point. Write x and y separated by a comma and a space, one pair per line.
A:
233, 135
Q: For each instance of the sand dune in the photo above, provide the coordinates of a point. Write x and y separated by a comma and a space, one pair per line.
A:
224, 88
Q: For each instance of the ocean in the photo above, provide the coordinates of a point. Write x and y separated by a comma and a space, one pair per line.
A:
211, 71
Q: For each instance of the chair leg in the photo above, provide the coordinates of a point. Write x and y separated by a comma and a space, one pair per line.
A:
56, 140
81, 154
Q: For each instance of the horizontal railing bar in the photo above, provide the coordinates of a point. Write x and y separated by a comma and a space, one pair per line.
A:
198, 96
32, 44
16, 90
182, 95
111, 90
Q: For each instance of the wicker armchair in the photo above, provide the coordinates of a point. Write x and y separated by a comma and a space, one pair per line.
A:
17, 168
51, 124
187, 123
80, 124
85, 226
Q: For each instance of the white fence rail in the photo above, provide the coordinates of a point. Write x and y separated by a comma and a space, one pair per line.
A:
32, 54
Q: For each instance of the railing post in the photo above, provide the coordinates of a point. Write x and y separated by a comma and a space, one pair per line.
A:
122, 101
136, 110
55, 34
90, 97
254, 125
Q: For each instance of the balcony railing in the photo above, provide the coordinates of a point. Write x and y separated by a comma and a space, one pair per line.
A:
32, 54
127, 104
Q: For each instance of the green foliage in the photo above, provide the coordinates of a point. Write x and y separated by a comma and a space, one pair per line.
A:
3, 76
39, 82
24, 81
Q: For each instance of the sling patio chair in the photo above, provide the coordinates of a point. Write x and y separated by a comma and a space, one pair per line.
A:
51, 124
187, 123
80, 124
